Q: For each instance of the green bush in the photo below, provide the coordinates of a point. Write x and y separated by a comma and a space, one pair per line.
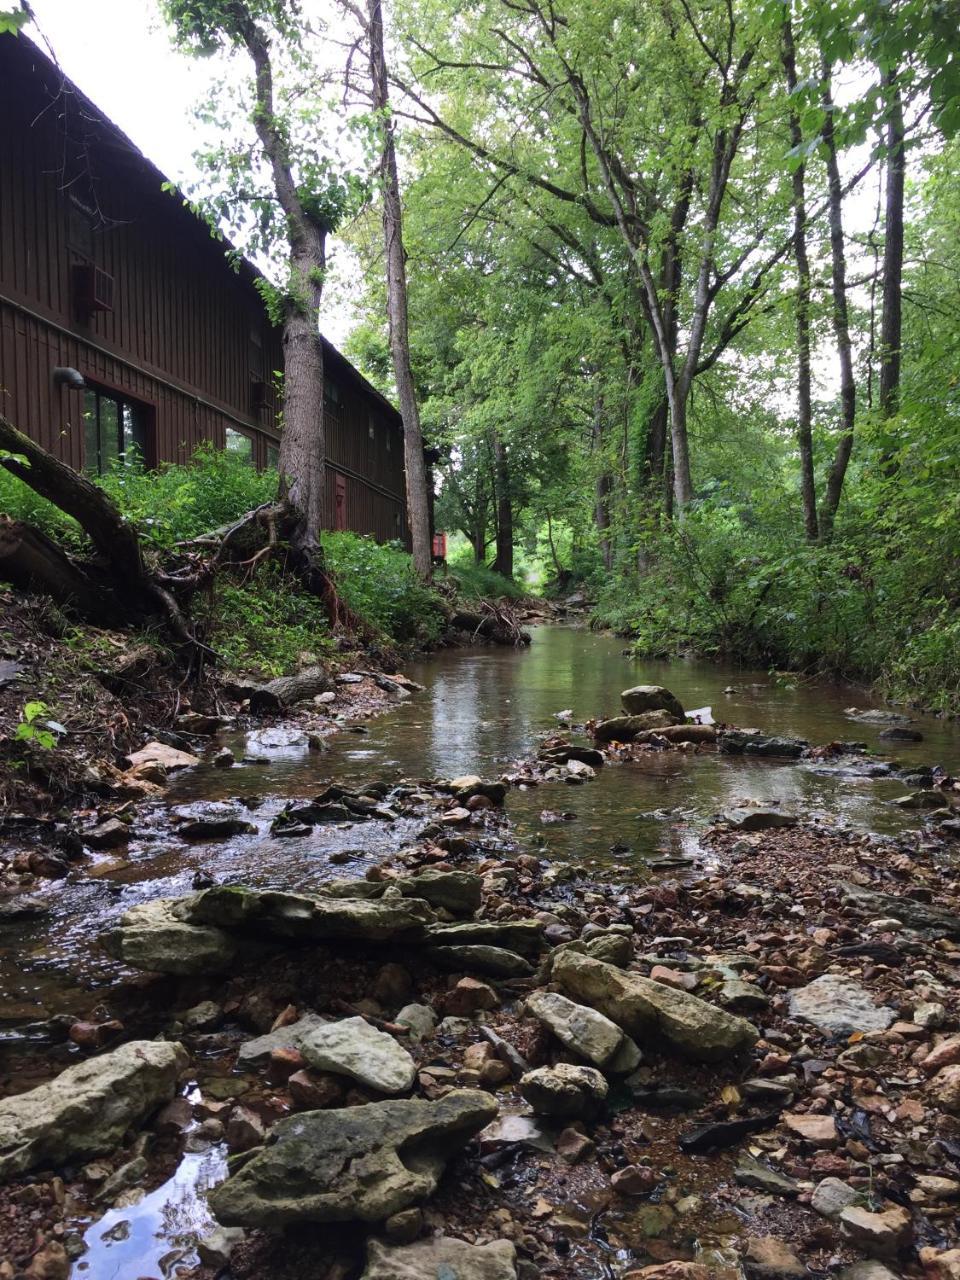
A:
477, 582
170, 504
263, 625
378, 583
179, 501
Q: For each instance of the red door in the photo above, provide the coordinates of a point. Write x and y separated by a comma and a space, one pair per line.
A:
340, 502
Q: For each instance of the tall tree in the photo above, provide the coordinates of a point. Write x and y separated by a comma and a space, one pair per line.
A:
292, 197
841, 313
801, 257
418, 500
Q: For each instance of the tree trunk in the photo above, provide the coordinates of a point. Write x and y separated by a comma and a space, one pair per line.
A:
891, 322
501, 474
804, 413
31, 561
418, 501
303, 441
604, 487
841, 322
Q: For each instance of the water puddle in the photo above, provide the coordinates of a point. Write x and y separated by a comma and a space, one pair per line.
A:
156, 1237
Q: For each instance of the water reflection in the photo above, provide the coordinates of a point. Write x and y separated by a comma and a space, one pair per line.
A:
157, 1235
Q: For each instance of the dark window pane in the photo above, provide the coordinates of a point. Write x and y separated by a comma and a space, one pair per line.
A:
239, 444
109, 433
273, 457
134, 432
91, 440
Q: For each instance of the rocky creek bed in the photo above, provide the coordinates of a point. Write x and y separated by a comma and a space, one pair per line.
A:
471, 1062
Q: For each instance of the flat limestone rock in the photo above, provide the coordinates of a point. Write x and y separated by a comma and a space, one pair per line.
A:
87, 1109
496, 962
441, 1258
640, 1006
159, 753
355, 1164
523, 936
307, 916
255, 1052
839, 1006
152, 937
751, 818
457, 891
577, 1026
352, 1047
916, 915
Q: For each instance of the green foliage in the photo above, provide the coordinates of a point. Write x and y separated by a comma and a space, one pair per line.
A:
13, 20
379, 584
28, 731
170, 504
477, 582
180, 501
265, 624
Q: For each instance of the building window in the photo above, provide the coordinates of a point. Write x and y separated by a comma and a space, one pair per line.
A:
331, 395
240, 445
115, 429
273, 457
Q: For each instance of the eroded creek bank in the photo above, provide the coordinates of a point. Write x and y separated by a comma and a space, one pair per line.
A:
603, 933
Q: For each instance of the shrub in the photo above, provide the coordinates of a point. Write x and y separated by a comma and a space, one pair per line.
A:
477, 582
263, 625
378, 583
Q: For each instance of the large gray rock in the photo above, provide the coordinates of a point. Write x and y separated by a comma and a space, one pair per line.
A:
650, 697
523, 936
352, 1047
573, 1093
356, 1164
838, 1005
579, 1027
917, 915
456, 891
89, 1107
151, 936
695, 1028
253, 1053
311, 917
441, 1258
735, 742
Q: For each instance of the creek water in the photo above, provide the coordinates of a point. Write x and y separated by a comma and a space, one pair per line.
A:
481, 710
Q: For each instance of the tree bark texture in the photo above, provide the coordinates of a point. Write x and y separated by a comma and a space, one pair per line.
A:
841, 321
804, 412
891, 321
503, 563
418, 500
302, 441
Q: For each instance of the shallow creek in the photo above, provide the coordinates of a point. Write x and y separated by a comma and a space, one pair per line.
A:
480, 711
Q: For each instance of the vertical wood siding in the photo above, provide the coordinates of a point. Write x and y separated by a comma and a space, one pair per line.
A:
188, 335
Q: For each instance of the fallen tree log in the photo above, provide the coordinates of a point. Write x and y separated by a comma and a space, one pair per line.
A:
492, 626
285, 691
680, 733
33, 562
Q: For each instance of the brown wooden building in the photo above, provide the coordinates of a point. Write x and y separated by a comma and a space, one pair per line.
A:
104, 272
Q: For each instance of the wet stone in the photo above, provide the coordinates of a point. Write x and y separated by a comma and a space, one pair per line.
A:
839, 1005
352, 1047
362, 1163
441, 1258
